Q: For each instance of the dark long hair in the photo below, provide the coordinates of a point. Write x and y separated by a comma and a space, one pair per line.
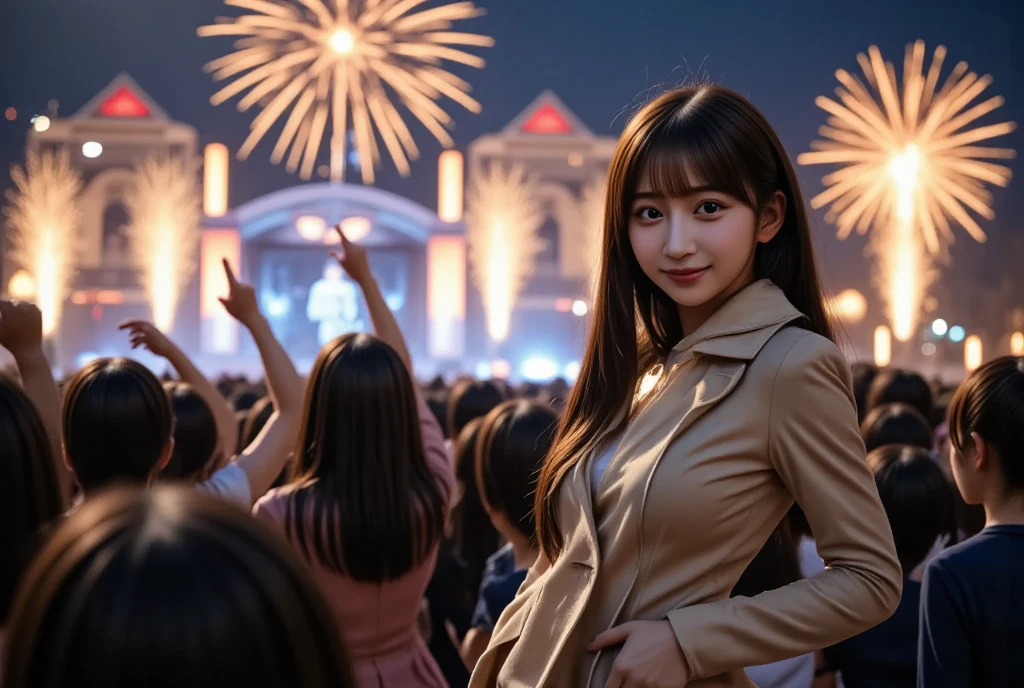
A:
718, 137
170, 588
917, 497
360, 468
473, 534
29, 494
195, 434
117, 423
514, 440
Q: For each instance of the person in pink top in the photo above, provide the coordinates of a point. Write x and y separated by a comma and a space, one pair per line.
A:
369, 494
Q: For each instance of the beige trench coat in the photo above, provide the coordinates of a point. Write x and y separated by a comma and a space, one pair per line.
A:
753, 412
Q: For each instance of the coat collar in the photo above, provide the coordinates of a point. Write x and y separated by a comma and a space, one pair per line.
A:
742, 325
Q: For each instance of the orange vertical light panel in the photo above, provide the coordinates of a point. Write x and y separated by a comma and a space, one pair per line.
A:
215, 180
974, 354
446, 296
883, 346
449, 186
219, 330
1017, 344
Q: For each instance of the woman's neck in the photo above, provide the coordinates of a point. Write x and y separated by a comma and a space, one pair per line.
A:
1005, 511
522, 552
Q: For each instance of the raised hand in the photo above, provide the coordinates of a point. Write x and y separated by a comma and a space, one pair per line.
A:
21, 327
352, 259
144, 334
241, 299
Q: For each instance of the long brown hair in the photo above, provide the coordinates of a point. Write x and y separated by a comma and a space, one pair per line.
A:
168, 587
717, 137
362, 475
29, 492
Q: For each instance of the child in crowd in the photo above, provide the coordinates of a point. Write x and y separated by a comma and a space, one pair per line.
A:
972, 602
918, 501
514, 440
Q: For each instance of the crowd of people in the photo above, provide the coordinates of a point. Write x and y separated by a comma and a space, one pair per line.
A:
357, 528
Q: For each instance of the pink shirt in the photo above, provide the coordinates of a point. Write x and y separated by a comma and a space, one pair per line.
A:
378, 620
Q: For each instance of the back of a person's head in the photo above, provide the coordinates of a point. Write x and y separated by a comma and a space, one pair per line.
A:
990, 403
863, 375
256, 419
917, 497
473, 534
362, 448
892, 386
169, 588
117, 423
195, 434
245, 398
896, 424
514, 441
29, 495
471, 399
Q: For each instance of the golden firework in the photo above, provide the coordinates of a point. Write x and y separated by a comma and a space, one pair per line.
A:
43, 214
911, 166
165, 208
321, 60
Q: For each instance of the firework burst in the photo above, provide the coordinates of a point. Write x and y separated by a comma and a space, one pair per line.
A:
165, 210
503, 220
345, 60
911, 166
43, 216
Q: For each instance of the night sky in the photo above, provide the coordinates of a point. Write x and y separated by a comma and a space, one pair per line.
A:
601, 56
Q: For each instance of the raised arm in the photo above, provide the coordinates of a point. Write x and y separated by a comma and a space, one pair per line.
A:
145, 334
264, 459
353, 259
21, 333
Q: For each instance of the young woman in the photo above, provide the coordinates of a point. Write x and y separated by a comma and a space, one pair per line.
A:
170, 588
710, 397
370, 493
117, 421
514, 439
971, 600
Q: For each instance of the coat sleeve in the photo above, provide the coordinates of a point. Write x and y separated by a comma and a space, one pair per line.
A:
816, 449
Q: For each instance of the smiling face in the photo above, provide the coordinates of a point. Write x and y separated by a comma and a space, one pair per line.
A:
698, 246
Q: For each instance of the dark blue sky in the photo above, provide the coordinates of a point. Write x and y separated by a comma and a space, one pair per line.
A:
598, 55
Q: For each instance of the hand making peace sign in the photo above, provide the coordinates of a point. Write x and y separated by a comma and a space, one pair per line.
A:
241, 300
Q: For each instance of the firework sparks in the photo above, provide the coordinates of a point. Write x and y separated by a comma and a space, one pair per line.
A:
911, 167
43, 214
345, 60
165, 210
503, 221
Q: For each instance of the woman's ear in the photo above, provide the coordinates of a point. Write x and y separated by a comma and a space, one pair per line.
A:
980, 457
772, 215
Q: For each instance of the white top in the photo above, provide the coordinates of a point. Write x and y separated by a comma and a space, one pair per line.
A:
795, 672
231, 484
601, 460
810, 563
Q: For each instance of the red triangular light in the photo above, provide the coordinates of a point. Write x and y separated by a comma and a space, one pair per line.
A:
123, 103
547, 120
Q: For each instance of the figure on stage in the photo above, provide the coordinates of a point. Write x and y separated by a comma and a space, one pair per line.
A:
334, 303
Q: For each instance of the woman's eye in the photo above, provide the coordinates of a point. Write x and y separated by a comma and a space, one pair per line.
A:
648, 213
708, 208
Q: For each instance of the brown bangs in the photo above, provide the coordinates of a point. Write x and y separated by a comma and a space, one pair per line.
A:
685, 154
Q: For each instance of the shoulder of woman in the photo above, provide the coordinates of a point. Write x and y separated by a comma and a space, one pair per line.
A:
794, 350
274, 501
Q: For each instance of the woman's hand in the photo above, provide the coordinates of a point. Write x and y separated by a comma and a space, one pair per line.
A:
21, 327
650, 656
352, 259
143, 333
240, 302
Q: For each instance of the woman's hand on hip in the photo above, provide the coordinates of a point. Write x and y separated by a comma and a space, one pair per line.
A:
650, 656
